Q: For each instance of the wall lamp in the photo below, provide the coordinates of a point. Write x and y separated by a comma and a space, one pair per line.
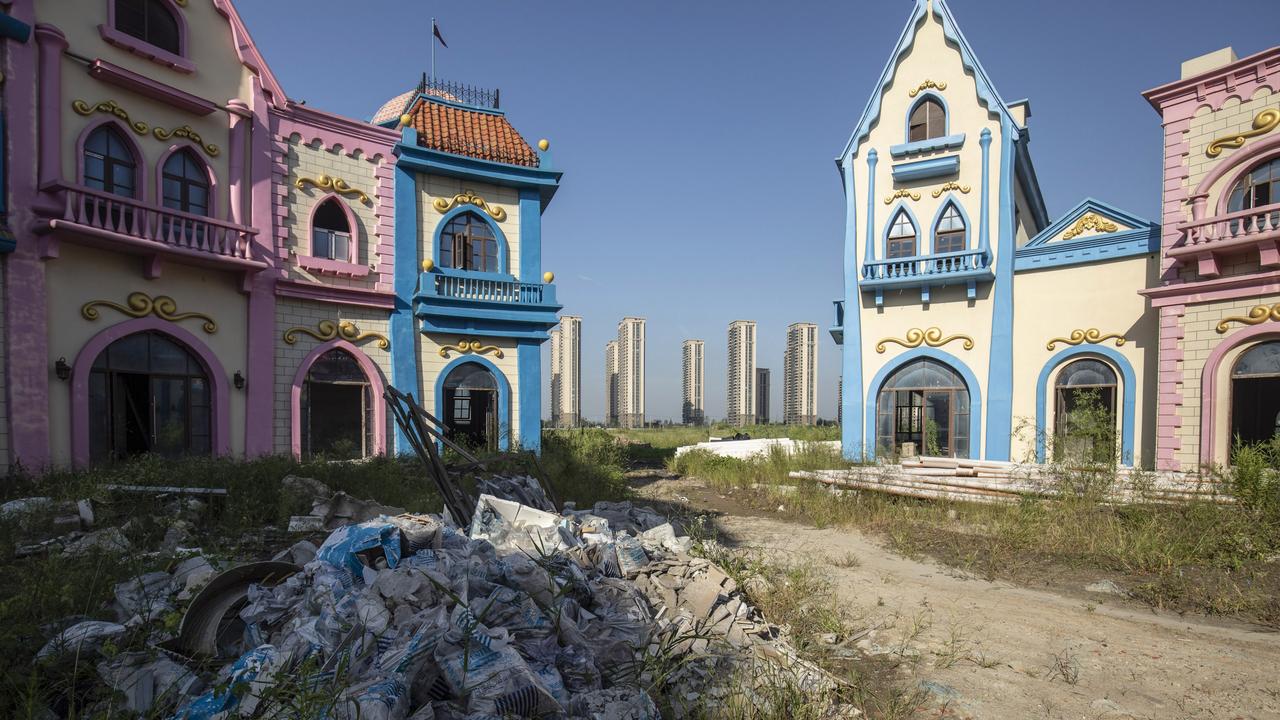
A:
238, 379
62, 369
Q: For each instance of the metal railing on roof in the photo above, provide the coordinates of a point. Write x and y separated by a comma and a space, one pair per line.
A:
460, 93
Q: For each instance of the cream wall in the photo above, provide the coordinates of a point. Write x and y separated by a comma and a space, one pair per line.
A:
431, 364
1206, 126
431, 187
312, 161
82, 274
291, 313
1113, 306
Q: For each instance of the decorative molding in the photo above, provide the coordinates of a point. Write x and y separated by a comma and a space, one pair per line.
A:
468, 197
1263, 123
931, 337
336, 184
1092, 335
927, 85
329, 330
1258, 314
1090, 221
888, 200
947, 187
141, 305
111, 107
471, 346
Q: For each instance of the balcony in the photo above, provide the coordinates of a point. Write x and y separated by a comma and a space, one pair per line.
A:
837, 330
459, 301
967, 267
114, 222
1208, 240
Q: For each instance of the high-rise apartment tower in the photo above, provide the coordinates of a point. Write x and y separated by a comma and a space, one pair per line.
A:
631, 372
693, 409
741, 406
566, 372
800, 375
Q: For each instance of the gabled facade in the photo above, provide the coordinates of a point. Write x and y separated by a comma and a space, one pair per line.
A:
200, 265
957, 283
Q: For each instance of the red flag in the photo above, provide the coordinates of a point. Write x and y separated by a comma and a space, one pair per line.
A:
435, 30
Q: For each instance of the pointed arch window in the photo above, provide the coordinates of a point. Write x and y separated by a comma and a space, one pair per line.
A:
185, 182
331, 232
469, 243
901, 241
150, 21
928, 120
949, 234
109, 164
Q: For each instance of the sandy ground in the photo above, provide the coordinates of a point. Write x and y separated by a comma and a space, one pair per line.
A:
996, 651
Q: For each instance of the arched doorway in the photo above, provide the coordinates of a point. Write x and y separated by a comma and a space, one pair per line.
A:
337, 408
148, 393
1255, 394
471, 405
1085, 411
927, 403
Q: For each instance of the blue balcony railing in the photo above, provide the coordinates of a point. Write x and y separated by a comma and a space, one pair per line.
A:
837, 330
967, 267
487, 303
483, 288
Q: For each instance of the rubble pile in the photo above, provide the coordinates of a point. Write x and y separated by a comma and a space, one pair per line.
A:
593, 613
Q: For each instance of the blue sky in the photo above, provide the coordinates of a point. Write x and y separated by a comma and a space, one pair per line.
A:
697, 138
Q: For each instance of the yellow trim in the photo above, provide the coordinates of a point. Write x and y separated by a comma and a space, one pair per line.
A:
1092, 335
328, 330
111, 107
336, 184
471, 346
1091, 221
931, 337
1263, 123
1258, 314
141, 304
901, 194
951, 186
468, 197
926, 85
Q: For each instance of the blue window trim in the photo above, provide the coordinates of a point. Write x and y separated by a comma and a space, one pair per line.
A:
1128, 390
948, 142
946, 116
888, 225
925, 169
504, 251
504, 395
949, 200
951, 361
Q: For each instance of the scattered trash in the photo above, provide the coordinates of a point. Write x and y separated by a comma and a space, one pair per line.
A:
110, 540
80, 639
211, 627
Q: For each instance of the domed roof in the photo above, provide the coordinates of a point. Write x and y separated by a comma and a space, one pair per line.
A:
399, 105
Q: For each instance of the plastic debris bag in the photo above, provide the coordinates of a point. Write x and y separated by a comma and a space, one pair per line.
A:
227, 695
81, 638
356, 549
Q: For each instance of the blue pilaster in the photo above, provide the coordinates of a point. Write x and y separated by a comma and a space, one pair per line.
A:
984, 217
404, 341
999, 425
851, 432
870, 253
529, 362
530, 235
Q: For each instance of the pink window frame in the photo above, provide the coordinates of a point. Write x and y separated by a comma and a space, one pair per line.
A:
376, 388
351, 266
208, 170
1209, 383
141, 48
139, 160
1235, 167
220, 430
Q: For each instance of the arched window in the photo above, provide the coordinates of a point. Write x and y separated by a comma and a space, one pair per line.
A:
1085, 417
109, 164
1259, 187
471, 405
151, 21
901, 242
148, 394
928, 121
949, 235
331, 232
1255, 394
185, 183
926, 403
468, 243
337, 407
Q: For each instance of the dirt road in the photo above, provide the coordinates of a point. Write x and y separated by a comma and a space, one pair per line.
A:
995, 651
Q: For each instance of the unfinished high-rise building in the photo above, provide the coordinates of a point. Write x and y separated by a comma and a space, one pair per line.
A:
693, 409
630, 394
611, 384
741, 406
566, 372
762, 396
800, 375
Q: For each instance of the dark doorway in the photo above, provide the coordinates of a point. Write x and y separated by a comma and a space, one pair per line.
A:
1255, 394
926, 403
471, 407
148, 394
1085, 412
337, 408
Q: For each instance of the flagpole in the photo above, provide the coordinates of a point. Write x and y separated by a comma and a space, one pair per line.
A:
433, 48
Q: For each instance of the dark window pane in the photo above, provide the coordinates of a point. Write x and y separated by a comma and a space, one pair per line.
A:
335, 366
167, 357
1259, 361
129, 354
331, 217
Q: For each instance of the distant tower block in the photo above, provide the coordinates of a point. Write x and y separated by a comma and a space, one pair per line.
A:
630, 396
741, 406
693, 409
800, 375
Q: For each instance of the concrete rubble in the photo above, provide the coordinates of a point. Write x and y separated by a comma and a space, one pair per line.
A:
596, 613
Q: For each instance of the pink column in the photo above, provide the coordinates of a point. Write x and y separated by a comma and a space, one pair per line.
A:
260, 391
241, 118
27, 365
1169, 398
52, 43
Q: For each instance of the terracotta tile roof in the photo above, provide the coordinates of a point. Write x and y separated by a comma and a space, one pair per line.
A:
482, 135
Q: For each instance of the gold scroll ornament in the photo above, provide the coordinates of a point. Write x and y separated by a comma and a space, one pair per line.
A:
927, 84
946, 187
140, 304
1092, 335
931, 337
471, 346
336, 184
1258, 314
329, 330
468, 197
901, 194
1263, 123
111, 107
1091, 221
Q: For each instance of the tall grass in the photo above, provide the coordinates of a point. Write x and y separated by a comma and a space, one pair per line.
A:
674, 436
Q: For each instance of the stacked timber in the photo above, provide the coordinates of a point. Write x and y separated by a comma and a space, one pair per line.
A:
989, 481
